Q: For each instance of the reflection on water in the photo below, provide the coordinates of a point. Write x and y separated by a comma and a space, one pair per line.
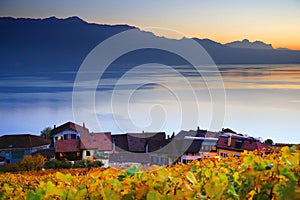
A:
261, 100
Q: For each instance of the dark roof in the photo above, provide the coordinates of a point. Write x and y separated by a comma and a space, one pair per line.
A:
99, 141
48, 153
283, 145
194, 147
228, 130
137, 142
120, 142
69, 126
182, 134
212, 134
22, 141
67, 146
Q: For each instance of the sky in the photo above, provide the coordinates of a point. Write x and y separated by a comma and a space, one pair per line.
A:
275, 22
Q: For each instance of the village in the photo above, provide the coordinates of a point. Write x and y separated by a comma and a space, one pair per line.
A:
73, 142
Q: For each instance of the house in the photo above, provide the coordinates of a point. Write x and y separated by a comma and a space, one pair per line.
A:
67, 131
236, 143
199, 147
74, 142
14, 147
68, 149
196, 144
96, 146
46, 153
143, 148
66, 140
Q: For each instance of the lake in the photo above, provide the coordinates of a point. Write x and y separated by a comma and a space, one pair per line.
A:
257, 100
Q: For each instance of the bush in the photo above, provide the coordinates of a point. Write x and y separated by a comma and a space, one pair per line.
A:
87, 163
28, 163
57, 164
79, 164
9, 168
98, 163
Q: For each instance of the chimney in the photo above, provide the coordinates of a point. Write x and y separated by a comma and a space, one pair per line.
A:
54, 126
83, 124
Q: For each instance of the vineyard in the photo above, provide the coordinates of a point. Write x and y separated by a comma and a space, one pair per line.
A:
251, 176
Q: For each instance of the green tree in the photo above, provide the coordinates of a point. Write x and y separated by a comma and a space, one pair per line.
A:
46, 132
269, 142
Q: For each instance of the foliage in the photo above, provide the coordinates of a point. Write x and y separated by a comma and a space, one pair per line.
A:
269, 142
252, 176
98, 163
64, 164
46, 132
57, 164
28, 163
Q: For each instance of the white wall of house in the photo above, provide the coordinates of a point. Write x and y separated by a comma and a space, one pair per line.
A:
159, 159
96, 155
64, 135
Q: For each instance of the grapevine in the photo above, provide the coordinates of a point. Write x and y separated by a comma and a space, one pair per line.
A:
251, 176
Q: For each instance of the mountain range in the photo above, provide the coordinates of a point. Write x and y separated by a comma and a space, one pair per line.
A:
51, 45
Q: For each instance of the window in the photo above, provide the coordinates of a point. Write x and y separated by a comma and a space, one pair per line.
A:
73, 136
238, 144
88, 153
65, 136
224, 154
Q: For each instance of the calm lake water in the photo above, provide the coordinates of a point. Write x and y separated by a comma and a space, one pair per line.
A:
258, 100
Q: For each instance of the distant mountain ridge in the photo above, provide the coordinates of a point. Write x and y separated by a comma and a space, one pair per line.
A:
246, 44
57, 45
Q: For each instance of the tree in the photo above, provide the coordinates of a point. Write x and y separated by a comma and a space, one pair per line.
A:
46, 132
269, 142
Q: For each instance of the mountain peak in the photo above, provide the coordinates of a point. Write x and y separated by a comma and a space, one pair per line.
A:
74, 19
246, 44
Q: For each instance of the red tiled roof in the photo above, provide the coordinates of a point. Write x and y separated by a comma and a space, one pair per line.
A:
99, 141
262, 146
249, 144
67, 146
22, 141
69, 126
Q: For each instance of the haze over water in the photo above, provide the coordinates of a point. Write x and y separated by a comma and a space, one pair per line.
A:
261, 101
